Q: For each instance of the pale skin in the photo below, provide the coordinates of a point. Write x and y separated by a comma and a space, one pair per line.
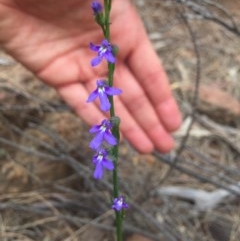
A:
51, 38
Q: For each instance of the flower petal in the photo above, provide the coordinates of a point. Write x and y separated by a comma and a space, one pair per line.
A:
109, 57
105, 104
95, 129
101, 83
104, 42
98, 173
96, 61
97, 141
110, 139
94, 47
112, 91
92, 96
107, 164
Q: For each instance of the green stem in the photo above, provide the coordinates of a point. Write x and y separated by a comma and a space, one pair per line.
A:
107, 18
111, 68
115, 131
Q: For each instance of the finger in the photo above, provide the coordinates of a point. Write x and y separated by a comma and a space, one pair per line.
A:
146, 67
131, 129
141, 109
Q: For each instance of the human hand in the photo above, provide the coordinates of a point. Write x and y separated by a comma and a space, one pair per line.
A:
51, 38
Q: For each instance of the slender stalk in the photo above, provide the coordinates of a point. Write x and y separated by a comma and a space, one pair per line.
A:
107, 19
111, 68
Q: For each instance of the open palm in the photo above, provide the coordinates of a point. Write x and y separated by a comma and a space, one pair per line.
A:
51, 38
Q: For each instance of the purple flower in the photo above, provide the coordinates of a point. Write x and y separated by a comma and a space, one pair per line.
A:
101, 161
103, 132
102, 91
119, 203
105, 50
96, 7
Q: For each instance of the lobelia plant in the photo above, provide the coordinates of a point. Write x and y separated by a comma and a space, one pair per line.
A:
106, 140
